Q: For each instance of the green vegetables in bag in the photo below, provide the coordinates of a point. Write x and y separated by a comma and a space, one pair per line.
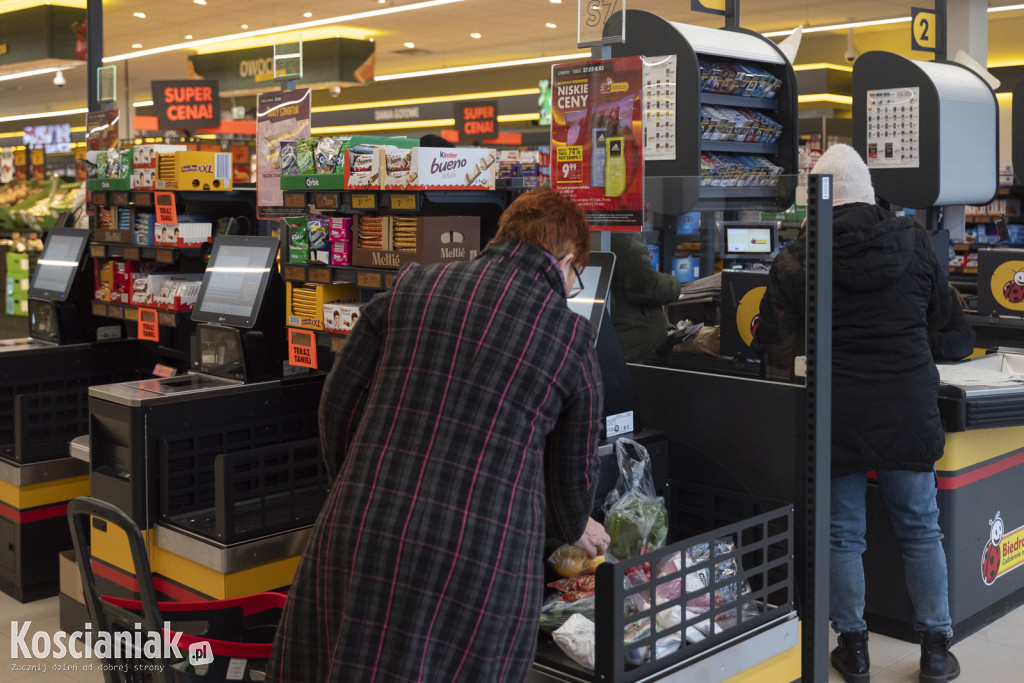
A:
636, 525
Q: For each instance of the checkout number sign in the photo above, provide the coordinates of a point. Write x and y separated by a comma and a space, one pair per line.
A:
149, 325
922, 29
302, 348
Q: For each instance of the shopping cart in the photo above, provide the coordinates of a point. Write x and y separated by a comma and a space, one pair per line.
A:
215, 640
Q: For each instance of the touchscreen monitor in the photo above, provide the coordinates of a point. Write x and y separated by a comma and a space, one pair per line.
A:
595, 279
236, 280
58, 264
752, 240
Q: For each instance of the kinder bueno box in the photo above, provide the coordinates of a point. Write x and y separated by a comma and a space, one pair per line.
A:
362, 168
339, 316
436, 168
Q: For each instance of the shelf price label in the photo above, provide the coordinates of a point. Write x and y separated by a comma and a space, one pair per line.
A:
301, 348
149, 325
922, 29
569, 164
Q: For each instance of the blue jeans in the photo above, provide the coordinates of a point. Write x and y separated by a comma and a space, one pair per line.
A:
910, 497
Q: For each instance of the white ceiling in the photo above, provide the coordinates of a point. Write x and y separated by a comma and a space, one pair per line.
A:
510, 29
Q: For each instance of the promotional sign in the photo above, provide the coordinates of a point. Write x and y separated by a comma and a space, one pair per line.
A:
280, 115
1003, 552
893, 128
597, 140
301, 348
149, 327
166, 211
186, 104
477, 119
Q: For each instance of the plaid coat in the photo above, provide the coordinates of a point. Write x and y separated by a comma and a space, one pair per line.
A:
460, 418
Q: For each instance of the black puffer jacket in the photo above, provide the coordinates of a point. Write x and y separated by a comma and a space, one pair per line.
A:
888, 292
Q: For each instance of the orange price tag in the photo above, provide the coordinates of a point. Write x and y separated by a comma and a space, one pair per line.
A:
166, 211
301, 348
149, 326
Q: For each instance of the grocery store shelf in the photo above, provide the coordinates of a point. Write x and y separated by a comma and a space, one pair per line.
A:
131, 252
369, 278
107, 309
739, 147
738, 101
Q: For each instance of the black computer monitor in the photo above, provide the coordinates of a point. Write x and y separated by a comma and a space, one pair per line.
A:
596, 278
748, 240
58, 264
236, 280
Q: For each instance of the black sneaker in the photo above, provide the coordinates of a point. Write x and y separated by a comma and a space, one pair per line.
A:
851, 659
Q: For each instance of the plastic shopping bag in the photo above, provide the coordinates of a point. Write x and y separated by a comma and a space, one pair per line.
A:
635, 516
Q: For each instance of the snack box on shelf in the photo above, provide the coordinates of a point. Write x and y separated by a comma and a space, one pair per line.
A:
339, 317
177, 292
191, 231
193, 171
414, 239
304, 303
439, 168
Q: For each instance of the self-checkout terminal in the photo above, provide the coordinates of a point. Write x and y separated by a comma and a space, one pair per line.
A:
44, 380
220, 467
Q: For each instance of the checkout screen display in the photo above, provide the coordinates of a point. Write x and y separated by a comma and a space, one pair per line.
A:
57, 265
235, 282
595, 278
753, 240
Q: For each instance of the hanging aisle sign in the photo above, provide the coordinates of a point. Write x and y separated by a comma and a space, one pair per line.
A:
597, 140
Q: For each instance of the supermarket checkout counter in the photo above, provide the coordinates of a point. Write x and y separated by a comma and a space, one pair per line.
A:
981, 511
220, 468
43, 405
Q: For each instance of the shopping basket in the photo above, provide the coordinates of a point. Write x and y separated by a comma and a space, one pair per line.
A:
215, 640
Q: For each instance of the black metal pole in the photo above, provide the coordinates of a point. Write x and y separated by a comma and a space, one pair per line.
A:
94, 43
732, 13
940, 30
816, 477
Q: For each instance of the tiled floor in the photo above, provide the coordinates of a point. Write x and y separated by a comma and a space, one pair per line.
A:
993, 655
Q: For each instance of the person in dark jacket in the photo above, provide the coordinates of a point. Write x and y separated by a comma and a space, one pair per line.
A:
460, 423
639, 294
888, 292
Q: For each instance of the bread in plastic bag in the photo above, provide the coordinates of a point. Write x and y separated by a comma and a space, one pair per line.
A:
635, 516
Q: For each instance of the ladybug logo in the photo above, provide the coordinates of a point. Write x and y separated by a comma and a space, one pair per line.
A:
992, 557
1007, 285
748, 314
1013, 291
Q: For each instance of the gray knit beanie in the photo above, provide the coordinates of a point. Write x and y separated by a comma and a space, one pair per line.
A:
850, 176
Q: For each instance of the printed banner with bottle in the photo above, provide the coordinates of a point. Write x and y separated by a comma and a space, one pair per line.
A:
597, 140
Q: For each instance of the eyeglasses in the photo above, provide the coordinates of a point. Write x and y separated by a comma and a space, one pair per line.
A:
577, 286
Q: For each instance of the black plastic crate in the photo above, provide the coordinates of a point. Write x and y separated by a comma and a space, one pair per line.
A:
242, 482
754, 537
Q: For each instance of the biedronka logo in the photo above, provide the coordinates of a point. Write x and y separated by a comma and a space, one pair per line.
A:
1003, 553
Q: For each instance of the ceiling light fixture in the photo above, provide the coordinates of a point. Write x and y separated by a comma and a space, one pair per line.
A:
144, 103
188, 36
136, 45
199, 2
245, 25
480, 67
140, 15
44, 114
33, 72
433, 99
1005, 8
555, 2
307, 14
550, 25
280, 29
839, 27
475, 36
409, 45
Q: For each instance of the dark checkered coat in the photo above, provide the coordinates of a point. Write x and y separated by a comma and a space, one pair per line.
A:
459, 419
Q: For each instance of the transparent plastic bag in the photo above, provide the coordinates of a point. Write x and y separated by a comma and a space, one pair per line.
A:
555, 611
568, 560
635, 516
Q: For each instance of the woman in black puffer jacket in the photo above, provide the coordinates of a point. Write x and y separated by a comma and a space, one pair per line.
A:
888, 292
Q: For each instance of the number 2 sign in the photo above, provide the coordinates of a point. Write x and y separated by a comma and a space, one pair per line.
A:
922, 29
